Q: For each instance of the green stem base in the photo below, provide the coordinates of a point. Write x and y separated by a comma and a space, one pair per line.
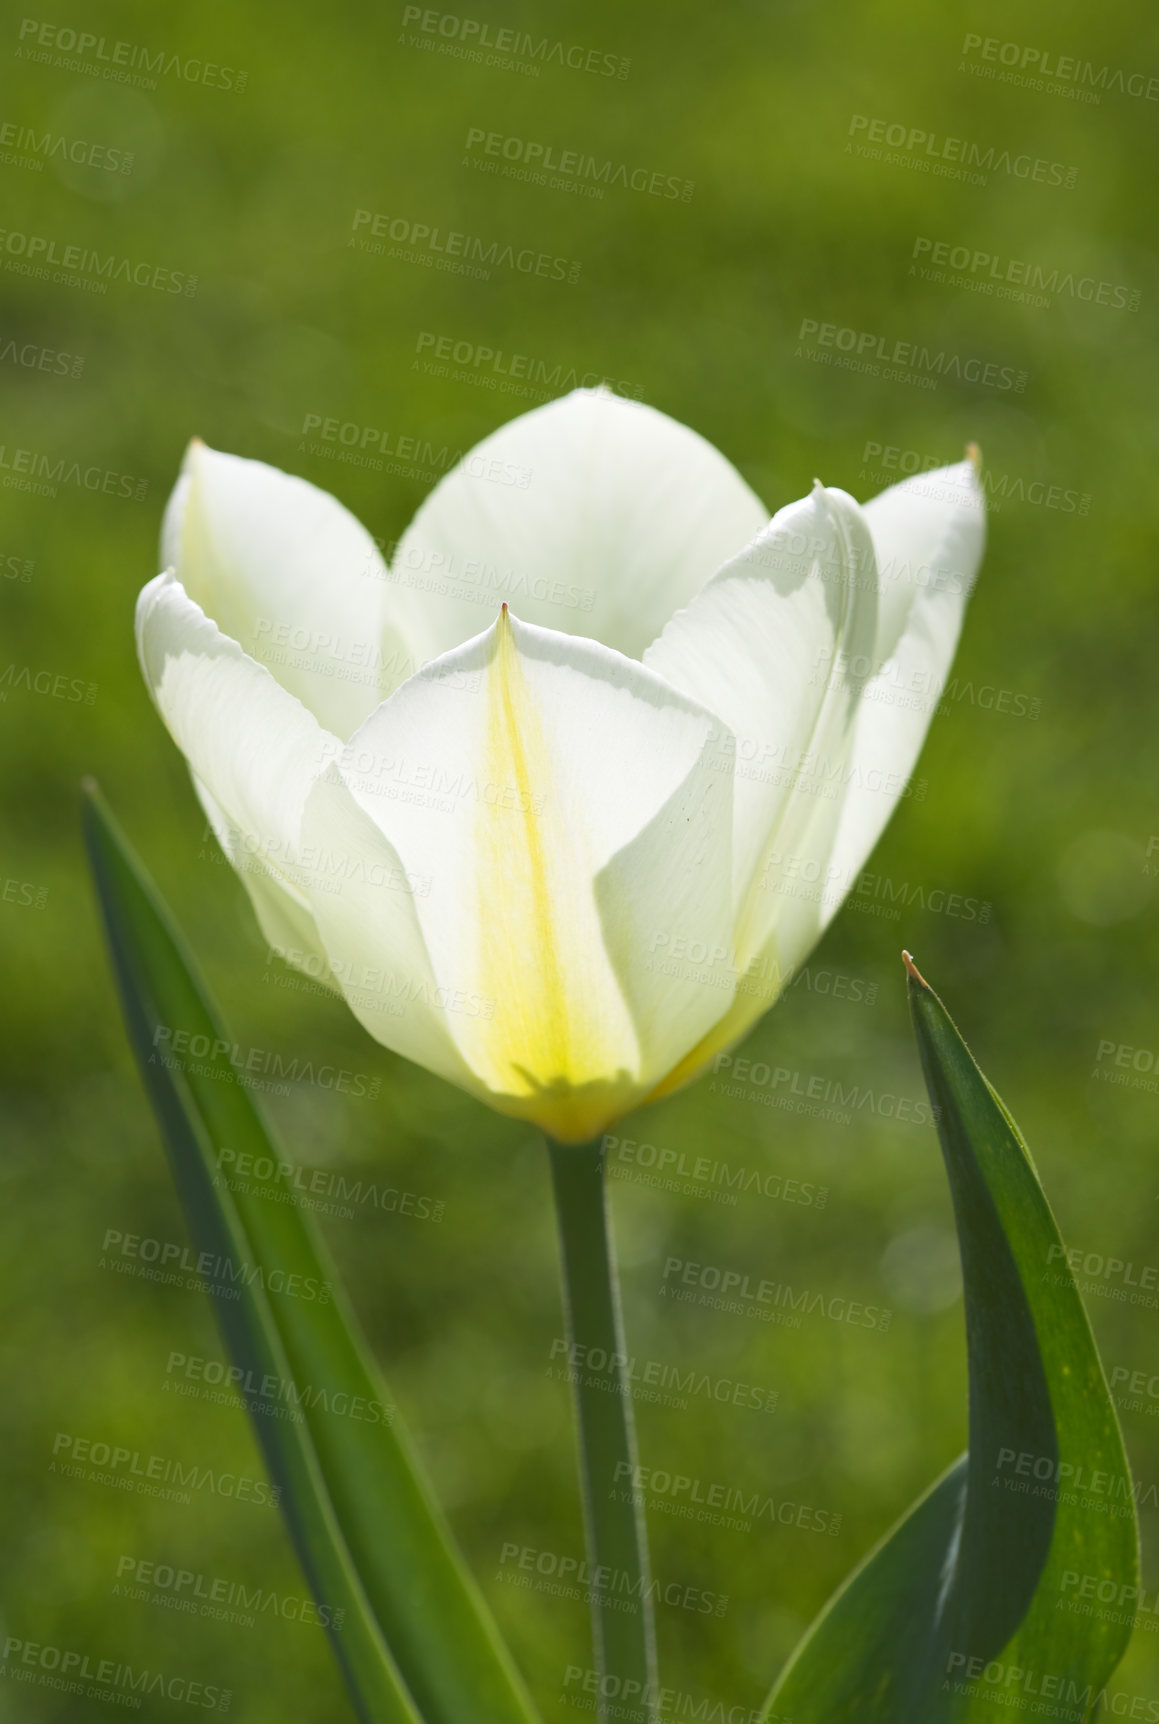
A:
623, 1641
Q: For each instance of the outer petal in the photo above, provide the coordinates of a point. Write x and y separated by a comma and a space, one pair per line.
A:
930, 533
290, 574
278, 894
593, 514
928, 536
768, 645
560, 809
364, 904
253, 749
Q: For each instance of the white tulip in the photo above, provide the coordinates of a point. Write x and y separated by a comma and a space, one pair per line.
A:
565, 860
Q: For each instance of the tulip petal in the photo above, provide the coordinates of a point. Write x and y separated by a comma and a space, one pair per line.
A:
559, 807
285, 570
593, 514
363, 903
929, 533
928, 537
279, 900
768, 646
253, 750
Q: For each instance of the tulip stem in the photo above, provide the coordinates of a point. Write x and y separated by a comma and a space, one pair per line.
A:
623, 1640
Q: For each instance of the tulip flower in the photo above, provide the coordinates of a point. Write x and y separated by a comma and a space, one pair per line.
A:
562, 797
565, 858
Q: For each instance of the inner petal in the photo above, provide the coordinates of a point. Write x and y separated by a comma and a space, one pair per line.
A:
592, 515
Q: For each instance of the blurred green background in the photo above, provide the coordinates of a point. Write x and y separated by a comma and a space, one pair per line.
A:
1040, 804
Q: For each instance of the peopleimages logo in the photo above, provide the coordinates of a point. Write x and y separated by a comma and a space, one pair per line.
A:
497, 45
31, 356
990, 267
34, 471
269, 1391
231, 1061
595, 1363
519, 374
1042, 69
58, 684
1095, 1266
618, 1586
106, 1679
182, 1589
623, 1697
1040, 1692
718, 1504
714, 1173
152, 1475
1122, 1595
222, 1272
954, 158
354, 440
875, 355
735, 1288
533, 160
449, 249
79, 266
886, 461
32, 148
83, 51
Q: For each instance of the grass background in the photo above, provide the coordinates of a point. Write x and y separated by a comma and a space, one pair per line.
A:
1047, 818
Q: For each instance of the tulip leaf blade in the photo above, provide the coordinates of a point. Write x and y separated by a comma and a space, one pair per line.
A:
965, 1608
417, 1644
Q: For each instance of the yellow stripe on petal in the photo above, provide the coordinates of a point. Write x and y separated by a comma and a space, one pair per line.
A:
554, 1033
520, 953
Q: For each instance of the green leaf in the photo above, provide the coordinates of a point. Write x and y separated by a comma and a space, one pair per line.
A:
963, 1611
417, 1641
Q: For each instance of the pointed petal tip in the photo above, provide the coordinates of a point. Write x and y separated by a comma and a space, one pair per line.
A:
974, 456
193, 458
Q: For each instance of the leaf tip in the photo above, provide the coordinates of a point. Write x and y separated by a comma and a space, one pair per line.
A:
94, 811
91, 805
913, 972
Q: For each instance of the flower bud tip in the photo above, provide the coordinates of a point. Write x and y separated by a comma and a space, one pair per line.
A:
974, 456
